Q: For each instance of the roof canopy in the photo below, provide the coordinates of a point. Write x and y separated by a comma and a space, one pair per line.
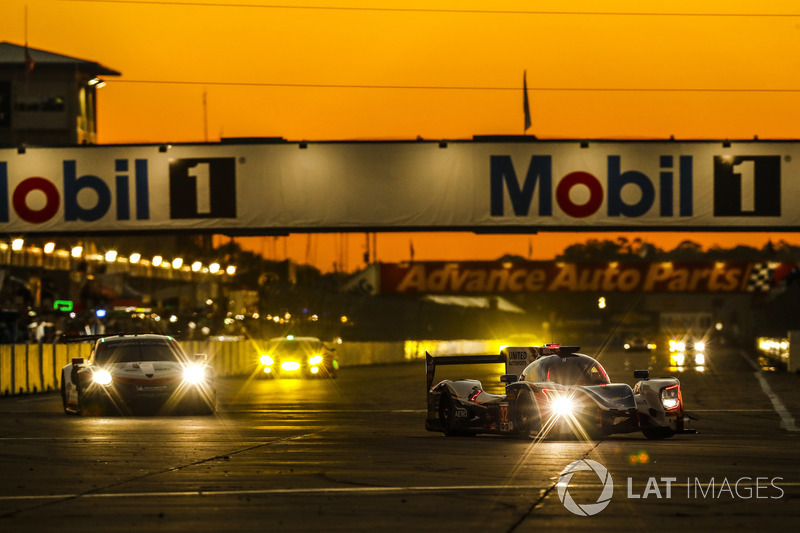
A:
13, 54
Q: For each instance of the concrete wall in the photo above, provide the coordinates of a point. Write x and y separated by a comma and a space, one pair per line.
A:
33, 368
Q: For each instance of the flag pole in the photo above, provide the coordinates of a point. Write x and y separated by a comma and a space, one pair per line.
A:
525, 104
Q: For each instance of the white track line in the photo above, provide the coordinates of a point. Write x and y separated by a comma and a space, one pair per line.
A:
317, 490
787, 420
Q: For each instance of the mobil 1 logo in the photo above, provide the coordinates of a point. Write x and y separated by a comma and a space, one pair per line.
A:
202, 187
747, 186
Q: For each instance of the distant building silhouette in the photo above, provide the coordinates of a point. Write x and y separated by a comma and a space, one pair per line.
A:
47, 99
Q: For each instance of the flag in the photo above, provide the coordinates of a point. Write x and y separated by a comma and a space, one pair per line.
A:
525, 106
29, 63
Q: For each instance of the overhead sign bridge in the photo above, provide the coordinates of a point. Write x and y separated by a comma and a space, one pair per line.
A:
479, 185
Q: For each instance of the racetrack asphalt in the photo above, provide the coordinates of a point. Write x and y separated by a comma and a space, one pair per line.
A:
351, 454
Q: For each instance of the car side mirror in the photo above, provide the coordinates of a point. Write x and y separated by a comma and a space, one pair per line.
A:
641, 374
508, 378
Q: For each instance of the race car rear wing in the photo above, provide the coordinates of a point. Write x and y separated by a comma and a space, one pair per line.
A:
431, 362
516, 358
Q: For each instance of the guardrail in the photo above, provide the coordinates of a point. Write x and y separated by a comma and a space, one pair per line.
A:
35, 368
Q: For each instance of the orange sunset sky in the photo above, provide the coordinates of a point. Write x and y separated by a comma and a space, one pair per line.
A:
351, 69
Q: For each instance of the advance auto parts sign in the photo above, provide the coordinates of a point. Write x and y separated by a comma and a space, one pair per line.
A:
548, 276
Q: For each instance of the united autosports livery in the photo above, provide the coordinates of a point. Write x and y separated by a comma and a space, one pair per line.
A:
552, 391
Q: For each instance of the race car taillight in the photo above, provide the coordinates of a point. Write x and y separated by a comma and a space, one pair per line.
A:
671, 397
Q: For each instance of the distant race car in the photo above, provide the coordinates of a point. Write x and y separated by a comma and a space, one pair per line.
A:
552, 390
292, 356
687, 350
638, 344
138, 374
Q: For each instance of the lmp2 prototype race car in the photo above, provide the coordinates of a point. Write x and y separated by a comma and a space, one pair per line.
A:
552, 391
138, 374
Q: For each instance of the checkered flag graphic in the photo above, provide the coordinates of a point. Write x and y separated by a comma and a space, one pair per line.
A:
760, 278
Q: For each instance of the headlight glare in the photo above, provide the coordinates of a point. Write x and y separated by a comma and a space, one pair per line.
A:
194, 374
317, 359
266, 360
102, 377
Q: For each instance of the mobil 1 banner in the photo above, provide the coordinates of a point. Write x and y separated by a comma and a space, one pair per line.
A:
700, 184
356, 186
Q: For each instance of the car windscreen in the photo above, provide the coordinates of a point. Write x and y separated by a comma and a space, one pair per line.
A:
137, 351
294, 347
575, 371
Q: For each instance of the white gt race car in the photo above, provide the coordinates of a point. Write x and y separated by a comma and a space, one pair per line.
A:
138, 374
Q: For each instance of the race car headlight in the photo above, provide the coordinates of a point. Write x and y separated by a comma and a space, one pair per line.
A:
194, 374
290, 366
102, 377
671, 397
627, 346
700, 346
676, 346
677, 359
317, 359
562, 405
266, 360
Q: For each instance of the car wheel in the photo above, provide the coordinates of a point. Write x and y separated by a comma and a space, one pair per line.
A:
88, 407
447, 415
657, 433
64, 394
528, 421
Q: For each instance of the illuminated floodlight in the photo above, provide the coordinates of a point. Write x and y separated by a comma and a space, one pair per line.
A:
196, 266
76, 251
17, 244
111, 256
231, 270
135, 257
700, 346
49, 248
266, 360
157, 260
177, 263
699, 359
213, 268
